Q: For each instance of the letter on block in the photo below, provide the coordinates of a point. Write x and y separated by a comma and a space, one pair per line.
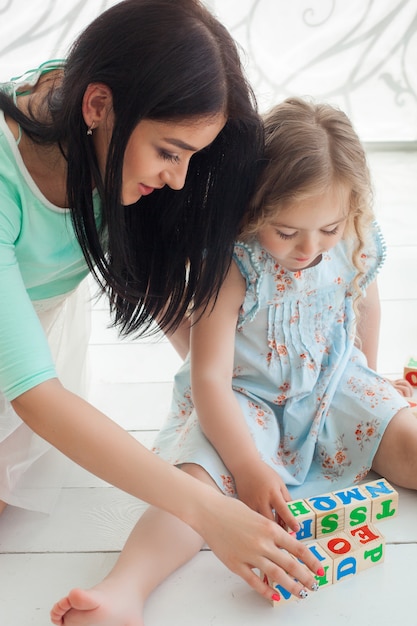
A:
371, 546
330, 514
357, 504
284, 594
326, 563
306, 518
410, 372
384, 499
344, 552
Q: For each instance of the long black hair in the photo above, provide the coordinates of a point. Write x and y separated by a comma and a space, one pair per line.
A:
167, 60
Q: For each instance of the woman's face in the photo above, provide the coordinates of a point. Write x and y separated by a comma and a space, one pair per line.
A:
158, 154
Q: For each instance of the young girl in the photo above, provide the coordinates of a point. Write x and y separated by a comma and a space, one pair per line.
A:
279, 393
133, 159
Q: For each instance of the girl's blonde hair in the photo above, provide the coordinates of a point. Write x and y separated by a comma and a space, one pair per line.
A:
310, 148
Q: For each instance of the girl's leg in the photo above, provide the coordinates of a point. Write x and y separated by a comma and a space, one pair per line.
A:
2, 506
157, 546
396, 458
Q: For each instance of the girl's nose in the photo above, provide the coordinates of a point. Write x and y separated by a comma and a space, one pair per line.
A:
307, 246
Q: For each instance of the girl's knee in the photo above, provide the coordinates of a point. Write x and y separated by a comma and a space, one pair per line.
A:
197, 471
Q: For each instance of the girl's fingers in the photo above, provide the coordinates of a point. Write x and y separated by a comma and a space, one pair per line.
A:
403, 387
283, 515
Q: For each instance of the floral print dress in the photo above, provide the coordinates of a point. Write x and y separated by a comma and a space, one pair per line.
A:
315, 410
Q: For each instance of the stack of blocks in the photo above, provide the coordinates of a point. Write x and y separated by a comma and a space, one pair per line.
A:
340, 529
410, 374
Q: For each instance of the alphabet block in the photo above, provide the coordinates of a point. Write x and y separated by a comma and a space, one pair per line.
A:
330, 513
357, 504
344, 551
410, 372
326, 562
305, 517
371, 546
384, 499
284, 594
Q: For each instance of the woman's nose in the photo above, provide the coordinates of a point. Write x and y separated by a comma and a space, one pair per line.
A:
175, 177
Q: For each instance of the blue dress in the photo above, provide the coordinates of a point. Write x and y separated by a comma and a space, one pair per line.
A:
314, 408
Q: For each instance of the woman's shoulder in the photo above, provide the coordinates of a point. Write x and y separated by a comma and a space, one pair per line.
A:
8, 162
24, 84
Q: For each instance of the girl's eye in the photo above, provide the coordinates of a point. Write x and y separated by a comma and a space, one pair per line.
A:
284, 236
331, 232
171, 158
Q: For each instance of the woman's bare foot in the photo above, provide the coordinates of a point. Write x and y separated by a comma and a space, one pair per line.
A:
102, 606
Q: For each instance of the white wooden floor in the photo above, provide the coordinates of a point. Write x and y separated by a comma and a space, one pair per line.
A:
42, 557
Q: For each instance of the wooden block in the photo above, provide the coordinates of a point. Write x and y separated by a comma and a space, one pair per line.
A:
285, 595
326, 563
371, 544
344, 551
305, 517
357, 504
330, 513
410, 372
384, 499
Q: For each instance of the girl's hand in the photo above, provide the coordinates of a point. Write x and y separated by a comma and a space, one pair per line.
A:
245, 540
260, 487
403, 387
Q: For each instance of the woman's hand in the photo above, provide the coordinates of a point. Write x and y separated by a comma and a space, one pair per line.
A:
245, 540
260, 487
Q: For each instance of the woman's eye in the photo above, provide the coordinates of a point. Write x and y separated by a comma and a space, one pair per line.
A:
171, 158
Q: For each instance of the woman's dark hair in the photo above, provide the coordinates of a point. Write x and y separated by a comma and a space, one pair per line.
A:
167, 60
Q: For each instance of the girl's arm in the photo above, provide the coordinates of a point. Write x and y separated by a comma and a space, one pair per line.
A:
369, 324
368, 333
241, 538
219, 413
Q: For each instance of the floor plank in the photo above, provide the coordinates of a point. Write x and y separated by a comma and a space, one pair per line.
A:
205, 593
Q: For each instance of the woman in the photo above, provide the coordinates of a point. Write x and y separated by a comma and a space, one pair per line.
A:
133, 159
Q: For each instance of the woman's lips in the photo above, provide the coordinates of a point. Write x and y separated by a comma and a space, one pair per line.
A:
145, 190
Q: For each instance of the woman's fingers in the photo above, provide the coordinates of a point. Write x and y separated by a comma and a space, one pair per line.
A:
284, 571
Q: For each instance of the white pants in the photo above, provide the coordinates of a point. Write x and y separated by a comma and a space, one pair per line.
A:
32, 472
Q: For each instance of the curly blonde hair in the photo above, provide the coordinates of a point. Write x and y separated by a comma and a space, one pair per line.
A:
309, 149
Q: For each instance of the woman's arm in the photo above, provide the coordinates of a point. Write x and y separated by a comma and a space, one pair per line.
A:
241, 538
219, 413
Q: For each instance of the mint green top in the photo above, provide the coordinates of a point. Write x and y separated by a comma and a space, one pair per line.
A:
40, 258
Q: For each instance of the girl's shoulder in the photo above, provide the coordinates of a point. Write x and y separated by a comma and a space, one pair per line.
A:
372, 256
248, 258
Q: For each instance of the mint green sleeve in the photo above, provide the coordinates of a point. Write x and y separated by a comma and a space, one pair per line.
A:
25, 358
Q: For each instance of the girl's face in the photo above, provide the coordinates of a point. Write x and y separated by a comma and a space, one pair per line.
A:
306, 228
158, 154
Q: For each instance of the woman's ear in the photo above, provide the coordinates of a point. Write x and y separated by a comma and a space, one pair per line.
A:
97, 104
